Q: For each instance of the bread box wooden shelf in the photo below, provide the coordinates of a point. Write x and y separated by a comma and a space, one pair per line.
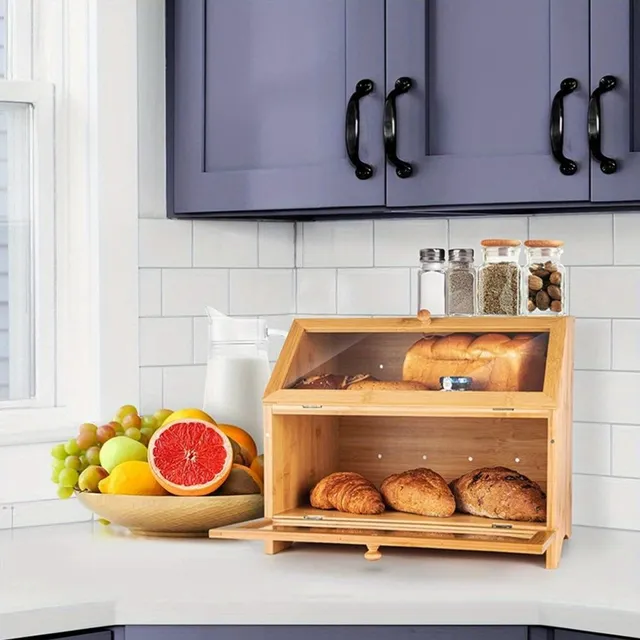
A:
517, 415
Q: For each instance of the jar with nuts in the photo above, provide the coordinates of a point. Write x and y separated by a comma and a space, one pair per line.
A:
545, 283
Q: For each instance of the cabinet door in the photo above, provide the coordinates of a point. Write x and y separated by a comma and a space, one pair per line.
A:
615, 52
475, 125
259, 96
294, 632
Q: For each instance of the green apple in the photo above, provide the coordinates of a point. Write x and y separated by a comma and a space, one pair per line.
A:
121, 449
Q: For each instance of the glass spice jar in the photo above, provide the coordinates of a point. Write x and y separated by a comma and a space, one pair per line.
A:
431, 280
499, 278
545, 278
460, 283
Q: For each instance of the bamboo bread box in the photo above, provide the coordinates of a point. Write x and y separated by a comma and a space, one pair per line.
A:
364, 395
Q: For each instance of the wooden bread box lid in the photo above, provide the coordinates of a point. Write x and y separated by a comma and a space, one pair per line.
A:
392, 366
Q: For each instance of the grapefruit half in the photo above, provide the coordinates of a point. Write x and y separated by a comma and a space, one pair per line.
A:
190, 457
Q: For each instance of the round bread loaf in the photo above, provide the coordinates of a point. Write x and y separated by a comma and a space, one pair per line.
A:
499, 492
421, 491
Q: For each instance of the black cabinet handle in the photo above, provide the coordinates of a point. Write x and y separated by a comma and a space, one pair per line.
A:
556, 129
594, 124
352, 129
403, 169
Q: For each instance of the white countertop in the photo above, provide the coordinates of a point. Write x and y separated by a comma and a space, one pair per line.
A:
55, 579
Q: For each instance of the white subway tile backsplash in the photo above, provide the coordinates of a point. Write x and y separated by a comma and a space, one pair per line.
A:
626, 233
626, 451
149, 292
187, 292
262, 291
605, 292
606, 502
225, 243
150, 389
606, 396
165, 341
316, 290
276, 244
592, 448
363, 268
588, 238
398, 242
200, 340
592, 344
626, 344
164, 243
6, 516
47, 512
183, 386
344, 243
373, 292
468, 232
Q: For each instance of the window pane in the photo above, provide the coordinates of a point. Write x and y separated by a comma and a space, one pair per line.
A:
16, 286
3, 38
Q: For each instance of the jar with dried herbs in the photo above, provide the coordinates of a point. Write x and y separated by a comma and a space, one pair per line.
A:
545, 278
499, 278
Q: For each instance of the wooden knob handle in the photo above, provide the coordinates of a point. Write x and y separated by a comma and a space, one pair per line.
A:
424, 316
372, 553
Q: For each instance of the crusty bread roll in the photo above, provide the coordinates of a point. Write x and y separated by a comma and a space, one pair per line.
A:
387, 385
328, 381
421, 491
498, 492
348, 492
494, 361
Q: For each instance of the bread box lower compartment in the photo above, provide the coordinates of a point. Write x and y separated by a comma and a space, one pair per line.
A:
303, 449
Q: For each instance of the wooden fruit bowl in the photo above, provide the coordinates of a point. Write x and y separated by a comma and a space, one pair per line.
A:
173, 516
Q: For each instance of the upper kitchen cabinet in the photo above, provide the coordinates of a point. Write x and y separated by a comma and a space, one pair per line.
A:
487, 100
614, 105
275, 105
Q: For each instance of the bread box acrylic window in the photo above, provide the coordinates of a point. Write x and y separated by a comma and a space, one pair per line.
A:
450, 433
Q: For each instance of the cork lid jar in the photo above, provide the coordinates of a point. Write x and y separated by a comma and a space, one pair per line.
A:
499, 278
545, 276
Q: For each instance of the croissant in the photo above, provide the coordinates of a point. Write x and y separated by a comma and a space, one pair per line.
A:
348, 492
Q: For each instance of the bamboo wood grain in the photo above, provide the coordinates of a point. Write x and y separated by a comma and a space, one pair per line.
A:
311, 433
458, 523
536, 544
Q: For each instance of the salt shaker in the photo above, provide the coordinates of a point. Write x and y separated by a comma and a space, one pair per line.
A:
431, 281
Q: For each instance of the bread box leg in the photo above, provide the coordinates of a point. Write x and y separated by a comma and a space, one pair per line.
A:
372, 553
272, 547
554, 552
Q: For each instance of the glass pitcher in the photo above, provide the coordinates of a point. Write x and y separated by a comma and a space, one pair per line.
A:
237, 371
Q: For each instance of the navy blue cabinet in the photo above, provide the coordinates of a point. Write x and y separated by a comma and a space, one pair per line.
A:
325, 633
475, 125
259, 94
401, 105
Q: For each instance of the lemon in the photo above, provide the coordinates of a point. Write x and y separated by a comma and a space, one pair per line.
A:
189, 414
132, 478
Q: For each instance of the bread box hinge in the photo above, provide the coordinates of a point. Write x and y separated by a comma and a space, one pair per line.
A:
312, 406
306, 517
501, 526
503, 409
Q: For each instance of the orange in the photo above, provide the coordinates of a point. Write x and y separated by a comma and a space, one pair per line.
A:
257, 466
247, 444
190, 457
240, 482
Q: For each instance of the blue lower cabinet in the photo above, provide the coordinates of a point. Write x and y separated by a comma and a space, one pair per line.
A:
328, 632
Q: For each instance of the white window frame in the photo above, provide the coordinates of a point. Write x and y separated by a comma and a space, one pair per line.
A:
76, 62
